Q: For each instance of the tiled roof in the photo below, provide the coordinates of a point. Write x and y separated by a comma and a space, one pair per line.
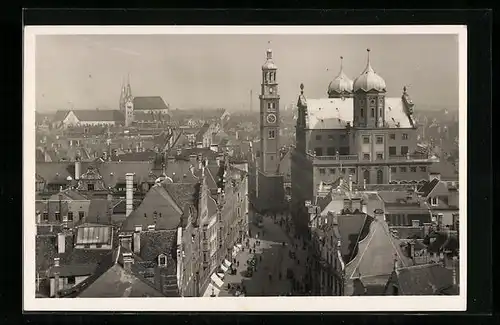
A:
446, 169
99, 211
182, 193
98, 115
136, 156
110, 279
350, 230
441, 241
149, 103
154, 243
428, 187
120, 169
375, 255
168, 214
429, 279
73, 270
69, 194
120, 207
334, 113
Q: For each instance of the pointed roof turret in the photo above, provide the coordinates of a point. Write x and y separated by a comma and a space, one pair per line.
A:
341, 85
369, 79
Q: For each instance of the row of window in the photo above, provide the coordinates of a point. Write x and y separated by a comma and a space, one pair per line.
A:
271, 107
403, 169
81, 215
366, 139
270, 76
333, 171
362, 111
331, 151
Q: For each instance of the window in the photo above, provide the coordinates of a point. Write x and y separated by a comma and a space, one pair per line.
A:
434, 201
405, 136
342, 170
70, 216
81, 215
45, 216
352, 171
270, 107
380, 176
366, 139
272, 134
318, 151
373, 112
402, 169
318, 137
392, 136
380, 140
162, 260
205, 257
204, 235
71, 280
393, 169
404, 150
330, 151
271, 157
392, 151
331, 171
322, 171
58, 216
423, 169
413, 169
362, 113
380, 156
366, 156
331, 137
344, 150
90, 187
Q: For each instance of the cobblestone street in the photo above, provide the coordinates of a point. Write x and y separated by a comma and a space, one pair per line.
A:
272, 258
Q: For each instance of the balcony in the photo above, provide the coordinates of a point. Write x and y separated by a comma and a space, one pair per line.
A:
412, 157
333, 158
347, 159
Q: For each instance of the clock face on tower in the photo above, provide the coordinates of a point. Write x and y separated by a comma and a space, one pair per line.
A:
271, 118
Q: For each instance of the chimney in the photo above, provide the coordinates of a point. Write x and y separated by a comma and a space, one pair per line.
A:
129, 194
137, 239
137, 148
128, 260
57, 262
350, 183
151, 227
192, 159
61, 243
126, 241
56, 277
78, 169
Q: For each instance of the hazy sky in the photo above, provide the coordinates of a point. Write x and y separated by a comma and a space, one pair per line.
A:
220, 70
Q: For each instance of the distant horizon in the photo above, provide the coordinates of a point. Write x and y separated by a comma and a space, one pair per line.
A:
219, 71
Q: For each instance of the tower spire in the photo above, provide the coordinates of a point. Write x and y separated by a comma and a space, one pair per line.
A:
368, 64
341, 64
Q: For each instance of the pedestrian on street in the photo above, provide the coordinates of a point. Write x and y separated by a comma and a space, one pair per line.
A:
238, 263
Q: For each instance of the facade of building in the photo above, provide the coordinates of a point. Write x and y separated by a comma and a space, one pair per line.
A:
356, 131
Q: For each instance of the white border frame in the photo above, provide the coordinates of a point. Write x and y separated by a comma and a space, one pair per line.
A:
246, 304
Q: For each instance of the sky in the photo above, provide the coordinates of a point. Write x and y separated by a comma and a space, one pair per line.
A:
219, 71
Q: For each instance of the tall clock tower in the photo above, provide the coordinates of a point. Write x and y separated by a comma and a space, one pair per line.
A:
269, 118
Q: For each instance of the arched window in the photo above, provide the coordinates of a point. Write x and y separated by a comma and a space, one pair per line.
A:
162, 260
380, 176
366, 176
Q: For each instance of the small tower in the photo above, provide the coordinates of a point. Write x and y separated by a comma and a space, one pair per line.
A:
129, 104
301, 126
269, 117
341, 86
369, 98
122, 98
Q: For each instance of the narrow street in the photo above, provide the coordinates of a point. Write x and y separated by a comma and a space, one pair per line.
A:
272, 258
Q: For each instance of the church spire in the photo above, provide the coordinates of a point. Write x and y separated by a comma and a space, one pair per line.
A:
128, 91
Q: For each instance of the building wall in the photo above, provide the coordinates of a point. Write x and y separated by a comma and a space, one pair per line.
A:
302, 189
329, 141
63, 283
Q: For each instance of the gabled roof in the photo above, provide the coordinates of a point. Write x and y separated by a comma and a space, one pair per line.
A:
375, 255
149, 103
98, 115
158, 208
428, 279
136, 156
110, 279
199, 135
60, 115
428, 187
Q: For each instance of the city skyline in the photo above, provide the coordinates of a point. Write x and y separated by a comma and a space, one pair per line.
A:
87, 71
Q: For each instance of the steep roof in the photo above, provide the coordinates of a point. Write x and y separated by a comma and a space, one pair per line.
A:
199, 135
428, 187
99, 211
110, 279
60, 115
98, 115
428, 279
334, 113
149, 103
157, 208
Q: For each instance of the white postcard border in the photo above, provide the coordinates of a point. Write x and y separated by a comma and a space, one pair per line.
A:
246, 304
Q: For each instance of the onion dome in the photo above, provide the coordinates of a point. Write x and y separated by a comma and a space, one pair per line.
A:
341, 84
369, 79
269, 65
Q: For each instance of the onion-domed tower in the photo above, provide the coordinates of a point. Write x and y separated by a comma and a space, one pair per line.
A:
369, 98
341, 86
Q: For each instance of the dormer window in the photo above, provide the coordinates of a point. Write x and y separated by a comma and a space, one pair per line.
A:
434, 201
162, 260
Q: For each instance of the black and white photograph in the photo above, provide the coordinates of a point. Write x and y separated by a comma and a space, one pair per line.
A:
241, 168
